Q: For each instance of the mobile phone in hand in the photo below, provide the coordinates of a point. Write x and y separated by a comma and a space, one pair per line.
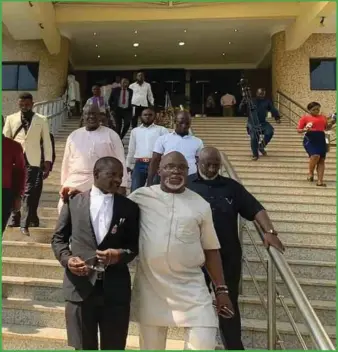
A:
225, 312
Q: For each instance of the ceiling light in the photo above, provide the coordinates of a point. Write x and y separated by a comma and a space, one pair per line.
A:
135, 32
230, 43
98, 56
94, 33
185, 31
96, 46
223, 54
235, 30
135, 55
181, 43
136, 45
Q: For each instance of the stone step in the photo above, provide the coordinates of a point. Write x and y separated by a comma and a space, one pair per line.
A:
289, 172
267, 162
301, 227
303, 202
301, 268
306, 269
51, 314
254, 334
299, 207
314, 289
276, 191
291, 160
328, 219
25, 337
295, 251
287, 184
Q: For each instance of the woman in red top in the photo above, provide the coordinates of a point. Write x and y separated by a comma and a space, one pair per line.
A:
314, 126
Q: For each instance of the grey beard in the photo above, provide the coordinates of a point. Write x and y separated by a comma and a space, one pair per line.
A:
205, 177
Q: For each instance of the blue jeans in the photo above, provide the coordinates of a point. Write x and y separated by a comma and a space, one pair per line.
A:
139, 175
266, 130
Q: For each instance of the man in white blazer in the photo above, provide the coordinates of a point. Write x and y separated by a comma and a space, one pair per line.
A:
30, 130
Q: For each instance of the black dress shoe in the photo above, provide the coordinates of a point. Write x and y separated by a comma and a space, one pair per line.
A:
24, 231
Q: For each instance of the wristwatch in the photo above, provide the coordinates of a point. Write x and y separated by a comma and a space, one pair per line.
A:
272, 232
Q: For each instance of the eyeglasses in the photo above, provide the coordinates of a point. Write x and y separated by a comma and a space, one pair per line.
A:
172, 167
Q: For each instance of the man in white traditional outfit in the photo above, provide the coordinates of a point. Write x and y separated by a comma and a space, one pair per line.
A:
83, 148
177, 238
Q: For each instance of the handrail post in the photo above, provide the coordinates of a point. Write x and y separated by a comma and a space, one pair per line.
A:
271, 305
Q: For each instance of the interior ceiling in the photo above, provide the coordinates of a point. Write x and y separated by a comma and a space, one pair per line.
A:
205, 42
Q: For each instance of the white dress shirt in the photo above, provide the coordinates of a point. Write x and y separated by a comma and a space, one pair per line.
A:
141, 94
189, 146
101, 212
142, 141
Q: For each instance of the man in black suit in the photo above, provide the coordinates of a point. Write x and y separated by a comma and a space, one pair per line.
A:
102, 225
120, 104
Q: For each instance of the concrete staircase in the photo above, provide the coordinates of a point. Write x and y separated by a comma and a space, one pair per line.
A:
303, 214
33, 308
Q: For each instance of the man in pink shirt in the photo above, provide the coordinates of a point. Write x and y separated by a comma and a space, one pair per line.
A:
83, 148
228, 102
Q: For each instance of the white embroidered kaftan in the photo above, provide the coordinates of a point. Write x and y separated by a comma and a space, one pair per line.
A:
169, 287
83, 149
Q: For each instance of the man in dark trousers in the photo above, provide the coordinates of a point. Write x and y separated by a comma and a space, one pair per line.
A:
229, 199
120, 105
260, 128
104, 226
29, 129
13, 177
35, 221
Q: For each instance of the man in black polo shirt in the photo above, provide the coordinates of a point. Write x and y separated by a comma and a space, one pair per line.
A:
228, 199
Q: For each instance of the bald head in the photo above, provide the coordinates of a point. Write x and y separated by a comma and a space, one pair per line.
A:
174, 172
108, 174
173, 158
182, 123
209, 163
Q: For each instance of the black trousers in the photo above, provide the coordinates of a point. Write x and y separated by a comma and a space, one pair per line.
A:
125, 116
7, 206
30, 200
230, 329
84, 319
137, 113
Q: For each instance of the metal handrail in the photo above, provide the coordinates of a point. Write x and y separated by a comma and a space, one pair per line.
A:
55, 111
316, 329
292, 101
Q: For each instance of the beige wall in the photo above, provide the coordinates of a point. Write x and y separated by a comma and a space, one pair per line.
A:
290, 69
53, 69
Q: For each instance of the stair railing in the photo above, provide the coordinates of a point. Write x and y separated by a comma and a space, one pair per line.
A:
293, 111
56, 112
276, 260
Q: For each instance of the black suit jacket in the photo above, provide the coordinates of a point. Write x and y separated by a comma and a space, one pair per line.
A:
43, 153
115, 97
74, 228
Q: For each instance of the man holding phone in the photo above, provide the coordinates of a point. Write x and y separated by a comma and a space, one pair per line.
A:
95, 238
228, 200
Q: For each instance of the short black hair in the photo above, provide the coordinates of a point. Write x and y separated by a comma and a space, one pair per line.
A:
25, 96
312, 105
105, 162
95, 86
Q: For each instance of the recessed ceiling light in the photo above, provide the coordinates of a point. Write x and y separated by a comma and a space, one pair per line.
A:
185, 31
223, 54
181, 43
96, 46
135, 32
235, 30
136, 45
135, 55
230, 43
98, 56
94, 33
